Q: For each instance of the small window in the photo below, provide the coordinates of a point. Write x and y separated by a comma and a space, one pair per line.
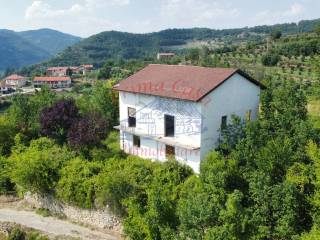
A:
170, 151
131, 117
248, 116
169, 125
224, 120
136, 141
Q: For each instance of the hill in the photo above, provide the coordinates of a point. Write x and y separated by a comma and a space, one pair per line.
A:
113, 45
18, 49
50, 40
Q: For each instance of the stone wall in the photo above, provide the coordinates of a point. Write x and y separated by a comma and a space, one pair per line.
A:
97, 218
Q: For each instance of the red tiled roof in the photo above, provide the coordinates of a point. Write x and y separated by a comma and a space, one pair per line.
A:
51, 79
178, 81
15, 77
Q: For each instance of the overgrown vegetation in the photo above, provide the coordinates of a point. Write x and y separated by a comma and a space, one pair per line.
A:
262, 182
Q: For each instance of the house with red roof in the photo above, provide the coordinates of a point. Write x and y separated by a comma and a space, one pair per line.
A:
52, 82
178, 111
15, 81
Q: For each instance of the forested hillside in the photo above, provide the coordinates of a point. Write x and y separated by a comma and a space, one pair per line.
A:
119, 45
17, 52
18, 49
50, 40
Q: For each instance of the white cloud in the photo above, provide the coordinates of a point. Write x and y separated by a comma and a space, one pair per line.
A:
42, 10
104, 3
294, 13
295, 9
80, 18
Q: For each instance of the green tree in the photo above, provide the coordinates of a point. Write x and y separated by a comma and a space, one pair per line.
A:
102, 100
276, 34
36, 168
198, 209
77, 182
317, 29
24, 112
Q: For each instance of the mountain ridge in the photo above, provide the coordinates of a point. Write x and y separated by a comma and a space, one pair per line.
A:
19, 49
115, 45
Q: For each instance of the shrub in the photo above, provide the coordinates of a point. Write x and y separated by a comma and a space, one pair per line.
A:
6, 186
270, 59
78, 181
87, 131
37, 167
17, 234
154, 215
122, 179
56, 120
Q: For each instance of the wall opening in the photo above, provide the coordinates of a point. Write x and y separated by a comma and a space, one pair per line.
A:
168, 126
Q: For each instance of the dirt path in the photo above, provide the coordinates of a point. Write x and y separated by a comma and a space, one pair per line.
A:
51, 225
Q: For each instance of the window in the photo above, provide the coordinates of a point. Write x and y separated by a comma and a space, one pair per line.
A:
169, 126
131, 117
170, 151
224, 120
248, 116
136, 141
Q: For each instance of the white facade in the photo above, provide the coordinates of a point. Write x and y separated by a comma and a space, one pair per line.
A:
16, 83
52, 84
196, 124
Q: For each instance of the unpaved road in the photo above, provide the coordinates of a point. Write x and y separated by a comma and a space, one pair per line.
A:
51, 225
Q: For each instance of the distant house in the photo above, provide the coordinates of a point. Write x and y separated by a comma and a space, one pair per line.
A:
164, 56
15, 81
60, 71
53, 82
171, 110
85, 68
64, 71
3, 87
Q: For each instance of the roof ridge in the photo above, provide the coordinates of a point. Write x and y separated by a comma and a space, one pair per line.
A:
191, 66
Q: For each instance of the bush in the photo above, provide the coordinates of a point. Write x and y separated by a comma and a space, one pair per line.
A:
17, 234
6, 186
57, 119
270, 59
78, 182
87, 131
7, 133
122, 179
37, 167
152, 214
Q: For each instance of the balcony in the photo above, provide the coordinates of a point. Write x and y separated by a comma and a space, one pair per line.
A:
172, 141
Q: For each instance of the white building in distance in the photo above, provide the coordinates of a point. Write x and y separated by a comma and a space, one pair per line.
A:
15, 81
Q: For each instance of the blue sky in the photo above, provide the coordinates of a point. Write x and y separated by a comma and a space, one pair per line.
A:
88, 17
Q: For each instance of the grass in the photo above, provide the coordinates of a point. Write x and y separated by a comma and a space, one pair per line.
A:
2, 236
314, 112
44, 212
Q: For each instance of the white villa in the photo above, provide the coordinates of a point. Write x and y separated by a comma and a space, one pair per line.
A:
170, 110
15, 81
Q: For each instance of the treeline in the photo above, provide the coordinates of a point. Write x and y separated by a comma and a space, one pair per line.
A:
114, 45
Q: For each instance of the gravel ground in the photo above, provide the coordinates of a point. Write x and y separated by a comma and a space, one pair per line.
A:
52, 226
15, 210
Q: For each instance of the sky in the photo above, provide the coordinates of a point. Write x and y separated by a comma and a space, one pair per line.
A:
87, 17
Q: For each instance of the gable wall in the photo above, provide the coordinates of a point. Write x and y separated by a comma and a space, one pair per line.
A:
236, 96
